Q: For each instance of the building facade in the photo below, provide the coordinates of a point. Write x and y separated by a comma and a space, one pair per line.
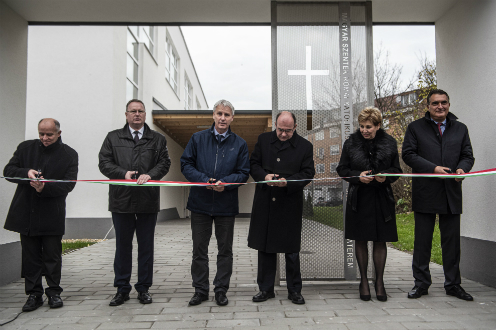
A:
84, 76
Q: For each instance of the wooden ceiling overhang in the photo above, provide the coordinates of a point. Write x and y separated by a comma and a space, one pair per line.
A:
180, 125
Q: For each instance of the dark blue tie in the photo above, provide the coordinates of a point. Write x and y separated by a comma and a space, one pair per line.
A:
219, 138
136, 137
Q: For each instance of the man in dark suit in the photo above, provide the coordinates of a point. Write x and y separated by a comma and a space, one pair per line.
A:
37, 210
276, 218
437, 143
134, 152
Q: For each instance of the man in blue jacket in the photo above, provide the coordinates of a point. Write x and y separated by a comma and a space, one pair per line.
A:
214, 155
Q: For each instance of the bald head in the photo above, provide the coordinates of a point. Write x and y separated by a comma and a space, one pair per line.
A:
49, 131
285, 125
48, 121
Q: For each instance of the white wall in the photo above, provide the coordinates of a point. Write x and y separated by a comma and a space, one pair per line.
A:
465, 49
13, 75
71, 77
78, 75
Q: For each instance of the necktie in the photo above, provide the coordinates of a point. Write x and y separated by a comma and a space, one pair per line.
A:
439, 128
219, 138
136, 137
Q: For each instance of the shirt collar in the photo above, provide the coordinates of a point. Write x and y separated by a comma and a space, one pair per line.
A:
217, 133
141, 130
443, 123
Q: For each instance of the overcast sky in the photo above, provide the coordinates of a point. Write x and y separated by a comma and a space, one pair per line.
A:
234, 62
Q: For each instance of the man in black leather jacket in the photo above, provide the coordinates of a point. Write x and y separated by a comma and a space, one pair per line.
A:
134, 152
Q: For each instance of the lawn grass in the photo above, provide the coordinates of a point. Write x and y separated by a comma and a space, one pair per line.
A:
69, 245
328, 215
406, 236
333, 216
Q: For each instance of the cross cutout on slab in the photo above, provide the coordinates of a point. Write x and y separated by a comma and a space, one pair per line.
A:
308, 73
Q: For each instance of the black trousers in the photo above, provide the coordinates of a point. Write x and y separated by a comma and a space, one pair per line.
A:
267, 264
125, 225
42, 255
201, 228
449, 225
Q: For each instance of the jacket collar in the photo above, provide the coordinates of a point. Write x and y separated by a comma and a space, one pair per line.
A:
57, 144
451, 117
229, 132
293, 141
124, 133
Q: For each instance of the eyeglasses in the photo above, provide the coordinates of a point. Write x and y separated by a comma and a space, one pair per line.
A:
287, 131
436, 103
136, 111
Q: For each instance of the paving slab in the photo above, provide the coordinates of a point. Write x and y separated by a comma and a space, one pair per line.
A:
87, 279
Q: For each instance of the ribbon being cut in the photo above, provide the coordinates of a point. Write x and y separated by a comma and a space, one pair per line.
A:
491, 171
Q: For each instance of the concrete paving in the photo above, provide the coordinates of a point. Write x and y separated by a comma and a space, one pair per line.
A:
87, 279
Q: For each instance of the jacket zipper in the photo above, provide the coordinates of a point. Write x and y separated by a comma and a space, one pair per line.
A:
215, 169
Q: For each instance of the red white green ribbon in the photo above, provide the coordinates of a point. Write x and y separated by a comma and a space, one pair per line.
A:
155, 183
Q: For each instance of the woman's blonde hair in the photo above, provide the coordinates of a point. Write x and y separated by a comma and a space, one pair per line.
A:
370, 113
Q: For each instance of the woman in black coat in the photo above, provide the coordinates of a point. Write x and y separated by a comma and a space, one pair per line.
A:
370, 214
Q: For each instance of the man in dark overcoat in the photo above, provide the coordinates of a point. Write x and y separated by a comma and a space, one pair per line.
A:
37, 210
134, 152
437, 143
276, 218
214, 155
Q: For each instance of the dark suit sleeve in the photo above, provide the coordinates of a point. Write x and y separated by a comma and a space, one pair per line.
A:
344, 167
107, 164
410, 153
256, 170
307, 171
14, 169
188, 163
242, 172
467, 159
163, 164
57, 189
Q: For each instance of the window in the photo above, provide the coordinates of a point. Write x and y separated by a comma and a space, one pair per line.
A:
385, 123
320, 153
198, 104
148, 37
320, 168
334, 132
333, 167
335, 149
188, 94
319, 135
132, 64
171, 64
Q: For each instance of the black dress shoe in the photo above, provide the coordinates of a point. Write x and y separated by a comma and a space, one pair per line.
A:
221, 299
263, 296
417, 292
364, 297
145, 297
380, 297
55, 301
296, 298
458, 292
197, 298
119, 299
32, 303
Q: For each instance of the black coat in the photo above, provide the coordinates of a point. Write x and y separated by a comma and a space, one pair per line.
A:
37, 214
120, 154
370, 207
276, 217
424, 149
